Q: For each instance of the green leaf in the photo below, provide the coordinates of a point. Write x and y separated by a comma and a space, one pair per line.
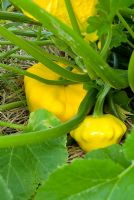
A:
131, 72
129, 145
118, 36
121, 98
106, 10
26, 167
114, 153
5, 193
42, 120
80, 179
89, 179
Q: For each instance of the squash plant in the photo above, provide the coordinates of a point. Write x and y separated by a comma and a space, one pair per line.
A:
34, 161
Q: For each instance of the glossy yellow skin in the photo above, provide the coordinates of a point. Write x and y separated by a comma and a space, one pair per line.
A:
63, 101
98, 132
82, 8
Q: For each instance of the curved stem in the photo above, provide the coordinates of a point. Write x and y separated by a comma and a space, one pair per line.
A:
43, 135
106, 45
98, 110
72, 17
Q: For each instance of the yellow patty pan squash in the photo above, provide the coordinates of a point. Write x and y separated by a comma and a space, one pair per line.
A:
98, 132
61, 100
83, 10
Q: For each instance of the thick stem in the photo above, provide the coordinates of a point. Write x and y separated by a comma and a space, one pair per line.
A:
43, 135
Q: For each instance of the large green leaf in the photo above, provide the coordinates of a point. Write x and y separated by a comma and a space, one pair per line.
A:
5, 193
25, 168
114, 153
81, 180
89, 179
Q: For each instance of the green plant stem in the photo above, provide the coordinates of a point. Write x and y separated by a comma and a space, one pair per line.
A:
39, 33
27, 33
17, 17
126, 25
21, 57
34, 76
127, 11
72, 17
98, 110
40, 42
49, 55
8, 53
43, 42
55, 58
12, 105
105, 48
43, 135
12, 125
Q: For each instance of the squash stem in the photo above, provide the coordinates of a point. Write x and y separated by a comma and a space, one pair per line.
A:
72, 17
98, 110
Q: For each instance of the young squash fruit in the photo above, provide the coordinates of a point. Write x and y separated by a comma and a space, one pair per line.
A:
61, 100
98, 132
83, 9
